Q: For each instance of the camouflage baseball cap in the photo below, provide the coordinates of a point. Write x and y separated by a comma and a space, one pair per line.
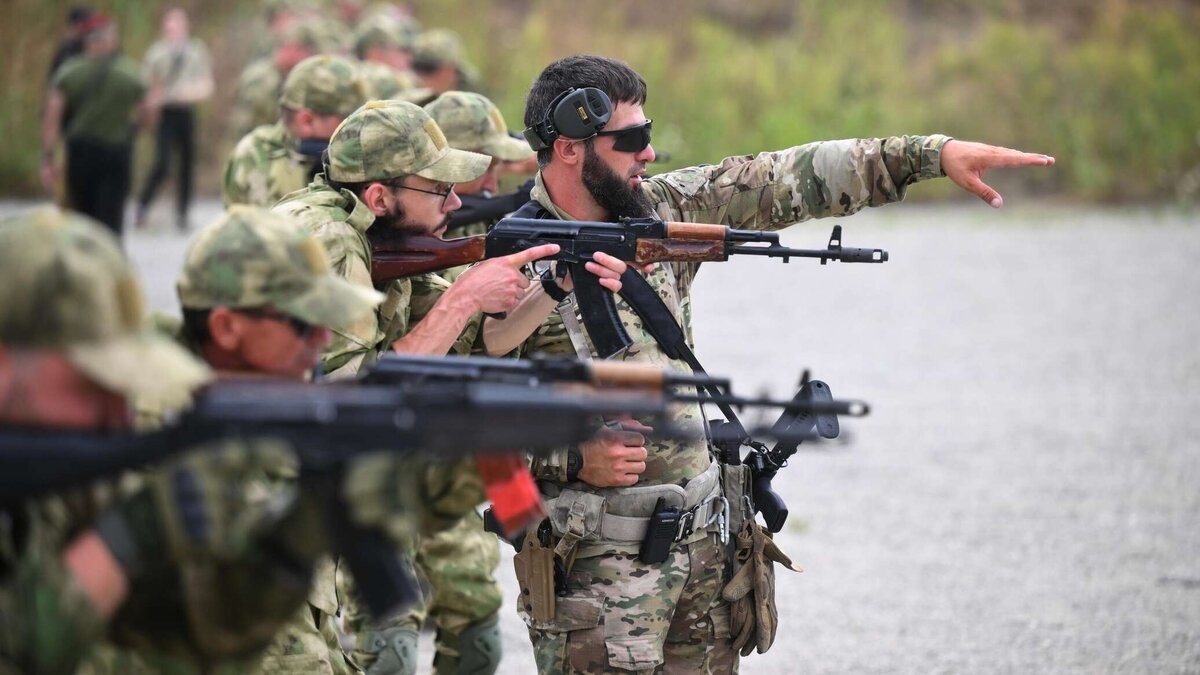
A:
326, 85
385, 82
472, 122
391, 139
436, 47
386, 32
250, 257
306, 31
65, 285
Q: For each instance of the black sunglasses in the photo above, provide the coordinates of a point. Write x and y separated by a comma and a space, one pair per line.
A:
302, 328
630, 139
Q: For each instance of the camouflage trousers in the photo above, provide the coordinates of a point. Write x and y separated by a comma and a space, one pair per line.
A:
622, 614
459, 564
307, 644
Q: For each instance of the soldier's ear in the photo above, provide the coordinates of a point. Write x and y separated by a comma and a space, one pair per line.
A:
568, 151
377, 197
225, 328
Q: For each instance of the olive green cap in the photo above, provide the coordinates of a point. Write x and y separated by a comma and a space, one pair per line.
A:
65, 285
390, 139
250, 257
439, 46
472, 122
326, 85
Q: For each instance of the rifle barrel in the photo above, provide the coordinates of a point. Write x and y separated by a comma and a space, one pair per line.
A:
847, 255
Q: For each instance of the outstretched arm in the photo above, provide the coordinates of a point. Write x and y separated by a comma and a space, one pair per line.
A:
965, 163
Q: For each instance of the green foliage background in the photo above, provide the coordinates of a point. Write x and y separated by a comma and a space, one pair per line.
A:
1110, 87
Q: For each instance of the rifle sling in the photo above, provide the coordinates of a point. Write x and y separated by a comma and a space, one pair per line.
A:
659, 322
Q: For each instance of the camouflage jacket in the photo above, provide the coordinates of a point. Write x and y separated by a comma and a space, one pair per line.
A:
257, 101
48, 623
341, 221
264, 167
769, 191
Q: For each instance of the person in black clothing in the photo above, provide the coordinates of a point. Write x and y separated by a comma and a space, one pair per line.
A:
178, 71
96, 102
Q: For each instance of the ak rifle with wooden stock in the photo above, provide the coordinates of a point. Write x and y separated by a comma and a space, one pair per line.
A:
641, 241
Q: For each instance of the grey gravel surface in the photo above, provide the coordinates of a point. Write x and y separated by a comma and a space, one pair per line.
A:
1025, 497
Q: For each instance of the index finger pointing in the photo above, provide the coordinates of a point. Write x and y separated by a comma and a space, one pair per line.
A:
530, 254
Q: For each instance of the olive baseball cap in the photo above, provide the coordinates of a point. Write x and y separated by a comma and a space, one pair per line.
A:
326, 85
390, 139
472, 122
250, 257
65, 285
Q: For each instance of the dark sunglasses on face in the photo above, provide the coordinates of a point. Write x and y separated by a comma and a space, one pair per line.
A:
303, 329
630, 139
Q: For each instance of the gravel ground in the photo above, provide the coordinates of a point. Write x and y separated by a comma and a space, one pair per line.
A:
1025, 497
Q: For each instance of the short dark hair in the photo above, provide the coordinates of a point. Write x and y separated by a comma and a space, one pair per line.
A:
613, 77
195, 326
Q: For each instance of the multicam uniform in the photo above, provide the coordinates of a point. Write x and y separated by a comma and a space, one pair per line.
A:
620, 613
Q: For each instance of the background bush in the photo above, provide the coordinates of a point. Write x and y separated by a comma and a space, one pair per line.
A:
1110, 87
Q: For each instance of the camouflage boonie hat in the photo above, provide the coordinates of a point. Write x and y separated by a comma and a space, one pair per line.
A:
472, 122
385, 32
65, 285
326, 85
391, 139
250, 258
435, 47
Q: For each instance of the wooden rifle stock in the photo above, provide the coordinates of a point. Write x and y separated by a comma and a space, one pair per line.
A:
410, 255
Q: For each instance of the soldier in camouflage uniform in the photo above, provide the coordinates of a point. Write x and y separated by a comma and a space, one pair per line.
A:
73, 352
391, 168
620, 613
258, 88
274, 160
440, 61
258, 296
472, 122
384, 45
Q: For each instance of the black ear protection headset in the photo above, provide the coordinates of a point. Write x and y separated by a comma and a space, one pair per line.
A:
575, 114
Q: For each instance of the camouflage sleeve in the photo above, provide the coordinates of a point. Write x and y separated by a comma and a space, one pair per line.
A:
773, 190
776, 189
49, 623
353, 343
426, 290
241, 175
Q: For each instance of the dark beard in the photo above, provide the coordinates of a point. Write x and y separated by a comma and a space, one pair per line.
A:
611, 191
387, 229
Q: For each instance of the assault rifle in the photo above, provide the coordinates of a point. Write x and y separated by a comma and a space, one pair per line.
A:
328, 425
485, 209
637, 240
812, 419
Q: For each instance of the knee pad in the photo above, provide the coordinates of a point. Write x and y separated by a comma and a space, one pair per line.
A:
478, 648
394, 649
